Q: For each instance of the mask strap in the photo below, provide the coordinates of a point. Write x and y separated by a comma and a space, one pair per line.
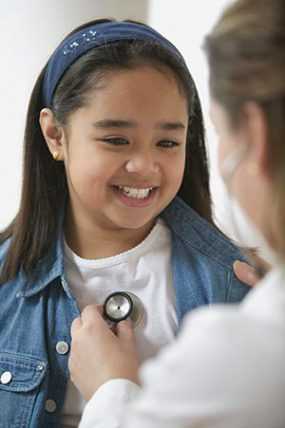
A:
232, 162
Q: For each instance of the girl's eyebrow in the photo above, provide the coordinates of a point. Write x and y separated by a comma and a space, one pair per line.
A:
118, 123
171, 126
114, 123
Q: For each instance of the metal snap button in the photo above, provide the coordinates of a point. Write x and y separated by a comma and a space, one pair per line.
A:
50, 406
6, 378
40, 367
62, 347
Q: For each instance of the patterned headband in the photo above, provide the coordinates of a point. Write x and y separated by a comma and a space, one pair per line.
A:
91, 37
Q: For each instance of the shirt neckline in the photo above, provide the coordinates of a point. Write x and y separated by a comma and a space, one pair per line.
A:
120, 258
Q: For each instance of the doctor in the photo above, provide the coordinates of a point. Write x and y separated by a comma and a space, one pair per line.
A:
226, 368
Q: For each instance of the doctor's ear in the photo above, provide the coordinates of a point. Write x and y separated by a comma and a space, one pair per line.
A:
53, 133
257, 135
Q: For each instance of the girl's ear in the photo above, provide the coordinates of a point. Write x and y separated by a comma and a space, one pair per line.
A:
53, 133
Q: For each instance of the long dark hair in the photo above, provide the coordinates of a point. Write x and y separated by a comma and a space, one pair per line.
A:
34, 229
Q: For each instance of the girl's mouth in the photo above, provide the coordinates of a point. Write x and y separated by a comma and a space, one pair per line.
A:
135, 197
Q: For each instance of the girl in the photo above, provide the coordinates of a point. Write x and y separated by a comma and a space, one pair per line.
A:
227, 367
114, 132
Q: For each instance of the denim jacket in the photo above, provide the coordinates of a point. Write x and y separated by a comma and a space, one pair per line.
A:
35, 316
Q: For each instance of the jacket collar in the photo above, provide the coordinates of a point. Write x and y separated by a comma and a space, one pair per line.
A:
198, 233
181, 219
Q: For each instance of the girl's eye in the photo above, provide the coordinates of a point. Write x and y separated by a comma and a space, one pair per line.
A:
115, 141
168, 144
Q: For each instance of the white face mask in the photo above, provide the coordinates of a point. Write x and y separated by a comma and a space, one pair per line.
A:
244, 229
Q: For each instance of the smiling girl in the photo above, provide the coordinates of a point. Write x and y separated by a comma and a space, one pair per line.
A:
115, 197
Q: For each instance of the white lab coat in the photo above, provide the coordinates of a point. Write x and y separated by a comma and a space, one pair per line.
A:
225, 370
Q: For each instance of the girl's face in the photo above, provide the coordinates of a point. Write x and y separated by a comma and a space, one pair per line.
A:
124, 152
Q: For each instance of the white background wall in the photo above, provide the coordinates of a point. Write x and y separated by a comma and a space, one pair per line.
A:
29, 35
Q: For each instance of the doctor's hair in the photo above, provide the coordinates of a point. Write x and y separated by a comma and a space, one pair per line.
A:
246, 56
34, 230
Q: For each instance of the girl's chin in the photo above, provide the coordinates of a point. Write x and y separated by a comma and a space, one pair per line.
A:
135, 225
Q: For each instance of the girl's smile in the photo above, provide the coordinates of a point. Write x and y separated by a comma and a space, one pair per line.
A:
136, 197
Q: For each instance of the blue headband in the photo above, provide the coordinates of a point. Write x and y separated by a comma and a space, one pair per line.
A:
91, 37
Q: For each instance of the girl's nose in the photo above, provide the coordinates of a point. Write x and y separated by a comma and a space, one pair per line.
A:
142, 163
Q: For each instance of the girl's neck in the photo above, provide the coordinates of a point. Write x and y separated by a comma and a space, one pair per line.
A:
92, 242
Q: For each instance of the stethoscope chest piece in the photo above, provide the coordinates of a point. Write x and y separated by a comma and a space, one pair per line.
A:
121, 305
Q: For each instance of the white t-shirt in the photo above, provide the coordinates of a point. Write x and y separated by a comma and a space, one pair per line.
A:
145, 271
226, 370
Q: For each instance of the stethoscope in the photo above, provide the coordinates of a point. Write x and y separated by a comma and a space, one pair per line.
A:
121, 305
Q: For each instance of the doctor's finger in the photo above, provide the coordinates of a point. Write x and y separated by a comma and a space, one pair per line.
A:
75, 325
245, 273
91, 314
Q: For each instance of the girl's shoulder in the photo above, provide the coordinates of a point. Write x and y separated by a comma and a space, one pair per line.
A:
195, 232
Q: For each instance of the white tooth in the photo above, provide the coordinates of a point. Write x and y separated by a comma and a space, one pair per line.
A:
143, 193
135, 193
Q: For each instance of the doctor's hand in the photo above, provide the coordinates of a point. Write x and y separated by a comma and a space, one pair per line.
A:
248, 274
98, 354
